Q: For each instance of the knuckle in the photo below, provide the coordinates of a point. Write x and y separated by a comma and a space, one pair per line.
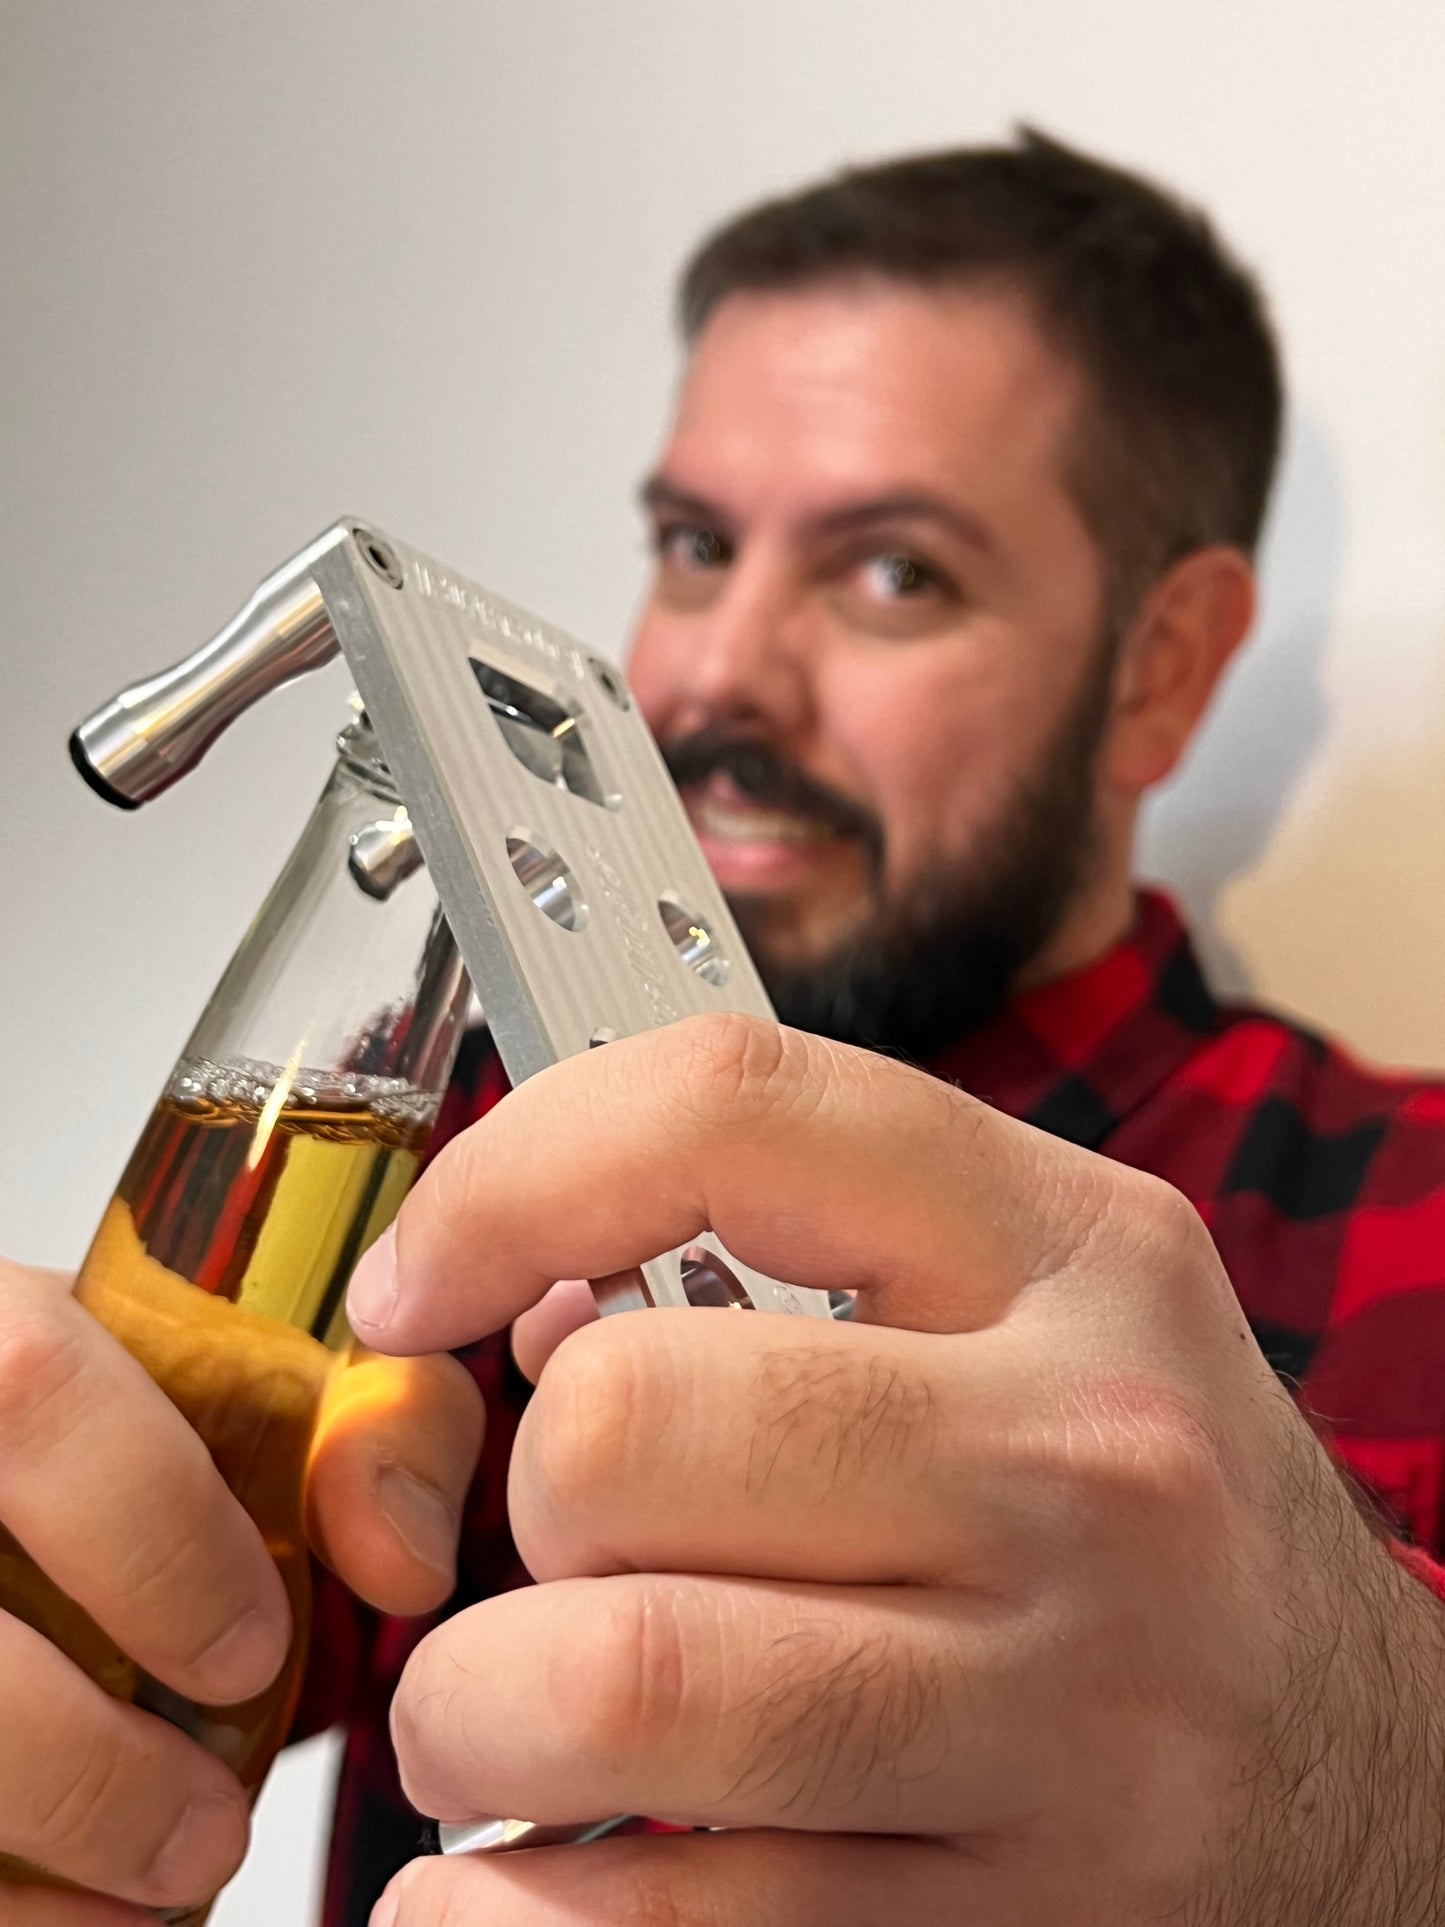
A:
76, 1796
1159, 1223
1109, 1216
619, 1694
736, 1065
157, 1570
1136, 1446
1176, 1465
1171, 1217
41, 1358
1142, 1452
577, 1432
599, 1409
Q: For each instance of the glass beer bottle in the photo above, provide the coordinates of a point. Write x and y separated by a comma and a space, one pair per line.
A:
283, 1143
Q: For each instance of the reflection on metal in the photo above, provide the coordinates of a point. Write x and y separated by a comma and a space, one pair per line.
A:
706, 1280
695, 940
384, 855
502, 1836
547, 881
543, 735
156, 730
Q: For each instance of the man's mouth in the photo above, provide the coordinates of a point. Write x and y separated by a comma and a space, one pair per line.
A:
750, 845
750, 823
766, 827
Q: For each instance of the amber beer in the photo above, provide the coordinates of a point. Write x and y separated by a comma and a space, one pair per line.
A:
222, 1263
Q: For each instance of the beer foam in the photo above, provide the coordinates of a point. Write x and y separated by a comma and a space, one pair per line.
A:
249, 1083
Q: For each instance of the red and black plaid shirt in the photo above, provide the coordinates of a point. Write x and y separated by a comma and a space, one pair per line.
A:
1322, 1182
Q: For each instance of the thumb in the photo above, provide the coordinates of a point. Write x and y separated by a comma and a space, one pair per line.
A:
396, 1444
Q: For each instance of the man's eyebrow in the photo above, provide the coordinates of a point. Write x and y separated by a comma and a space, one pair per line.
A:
906, 505
659, 496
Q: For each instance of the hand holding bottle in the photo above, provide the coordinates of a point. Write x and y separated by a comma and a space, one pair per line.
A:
118, 1502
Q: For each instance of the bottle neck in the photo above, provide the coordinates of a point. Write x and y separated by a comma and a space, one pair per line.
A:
297, 1117
344, 972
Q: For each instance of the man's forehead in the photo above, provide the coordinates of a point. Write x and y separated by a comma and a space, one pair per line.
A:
870, 383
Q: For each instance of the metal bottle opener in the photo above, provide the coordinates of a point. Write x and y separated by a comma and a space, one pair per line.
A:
559, 848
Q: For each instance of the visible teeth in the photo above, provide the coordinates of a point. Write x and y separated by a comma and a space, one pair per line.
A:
756, 826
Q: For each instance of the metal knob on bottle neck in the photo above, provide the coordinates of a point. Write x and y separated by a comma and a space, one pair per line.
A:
152, 733
384, 854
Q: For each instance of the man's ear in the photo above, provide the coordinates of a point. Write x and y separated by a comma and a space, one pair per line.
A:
1188, 626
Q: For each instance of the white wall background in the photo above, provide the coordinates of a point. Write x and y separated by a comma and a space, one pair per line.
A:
264, 263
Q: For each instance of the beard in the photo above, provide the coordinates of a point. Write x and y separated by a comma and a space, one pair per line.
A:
932, 963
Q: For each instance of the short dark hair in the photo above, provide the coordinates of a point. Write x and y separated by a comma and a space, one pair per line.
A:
1180, 436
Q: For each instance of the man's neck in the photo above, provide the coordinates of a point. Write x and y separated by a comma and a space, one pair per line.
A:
1102, 917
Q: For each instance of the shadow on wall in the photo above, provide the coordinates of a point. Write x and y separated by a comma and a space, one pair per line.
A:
1214, 821
1351, 896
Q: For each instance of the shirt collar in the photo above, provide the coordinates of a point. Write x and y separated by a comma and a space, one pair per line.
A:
1077, 1055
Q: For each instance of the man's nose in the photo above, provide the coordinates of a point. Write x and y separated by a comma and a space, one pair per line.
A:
754, 652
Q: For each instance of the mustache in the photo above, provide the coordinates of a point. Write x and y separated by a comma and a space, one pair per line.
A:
767, 777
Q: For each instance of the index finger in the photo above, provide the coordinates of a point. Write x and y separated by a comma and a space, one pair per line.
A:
827, 1166
117, 1500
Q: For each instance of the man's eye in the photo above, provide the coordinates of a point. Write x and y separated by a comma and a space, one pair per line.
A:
686, 545
897, 577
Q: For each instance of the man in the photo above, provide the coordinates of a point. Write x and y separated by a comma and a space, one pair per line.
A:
953, 534
1032, 1598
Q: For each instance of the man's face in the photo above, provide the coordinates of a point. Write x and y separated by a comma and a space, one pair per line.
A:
873, 649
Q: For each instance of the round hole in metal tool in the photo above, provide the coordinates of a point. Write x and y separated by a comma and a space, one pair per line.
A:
611, 684
694, 941
604, 1034
706, 1280
381, 557
547, 881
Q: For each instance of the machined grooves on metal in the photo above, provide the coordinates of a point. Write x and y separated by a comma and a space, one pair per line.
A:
582, 904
